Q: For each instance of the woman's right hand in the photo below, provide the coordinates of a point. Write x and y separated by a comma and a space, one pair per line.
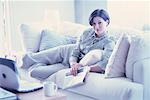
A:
74, 68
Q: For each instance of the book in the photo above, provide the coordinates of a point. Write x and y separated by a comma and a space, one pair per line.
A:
70, 80
6, 95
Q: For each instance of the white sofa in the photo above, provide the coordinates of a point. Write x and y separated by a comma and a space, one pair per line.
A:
97, 87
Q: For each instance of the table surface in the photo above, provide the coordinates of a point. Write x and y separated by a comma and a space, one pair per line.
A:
39, 95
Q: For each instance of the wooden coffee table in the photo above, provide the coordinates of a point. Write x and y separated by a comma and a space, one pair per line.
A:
39, 95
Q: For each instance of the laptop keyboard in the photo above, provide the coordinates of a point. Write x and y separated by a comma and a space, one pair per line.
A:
26, 86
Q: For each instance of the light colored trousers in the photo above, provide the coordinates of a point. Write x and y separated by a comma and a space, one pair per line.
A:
44, 63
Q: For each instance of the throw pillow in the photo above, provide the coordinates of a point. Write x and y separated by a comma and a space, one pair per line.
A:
132, 55
31, 37
50, 39
117, 60
91, 57
139, 49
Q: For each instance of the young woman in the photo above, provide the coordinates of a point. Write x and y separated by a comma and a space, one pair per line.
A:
94, 38
46, 62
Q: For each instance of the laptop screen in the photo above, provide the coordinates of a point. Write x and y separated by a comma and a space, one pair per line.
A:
8, 74
10, 63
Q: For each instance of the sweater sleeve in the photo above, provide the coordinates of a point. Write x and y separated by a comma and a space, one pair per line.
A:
75, 53
108, 48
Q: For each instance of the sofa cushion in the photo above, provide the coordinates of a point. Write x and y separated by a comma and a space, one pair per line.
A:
120, 88
116, 63
50, 39
115, 31
91, 57
133, 55
138, 72
31, 37
72, 29
139, 50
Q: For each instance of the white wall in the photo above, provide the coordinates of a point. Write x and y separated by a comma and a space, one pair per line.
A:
134, 13
83, 9
126, 13
33, 11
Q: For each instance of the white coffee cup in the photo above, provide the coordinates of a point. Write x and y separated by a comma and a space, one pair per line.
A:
50, 88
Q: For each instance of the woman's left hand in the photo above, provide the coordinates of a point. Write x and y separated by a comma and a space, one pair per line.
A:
74, 68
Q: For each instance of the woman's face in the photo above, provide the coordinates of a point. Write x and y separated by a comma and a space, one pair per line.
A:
99, 25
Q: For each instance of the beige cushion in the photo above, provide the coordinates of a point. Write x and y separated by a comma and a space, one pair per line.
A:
31, 36
72, 29
133, 55
139, 50
91, 57
117, 60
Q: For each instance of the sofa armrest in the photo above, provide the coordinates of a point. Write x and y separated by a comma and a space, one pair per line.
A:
142, 69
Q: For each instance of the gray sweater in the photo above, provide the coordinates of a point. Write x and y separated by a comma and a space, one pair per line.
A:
89, 41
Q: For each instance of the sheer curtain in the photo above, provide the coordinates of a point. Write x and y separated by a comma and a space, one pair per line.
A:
2, 35
5, 29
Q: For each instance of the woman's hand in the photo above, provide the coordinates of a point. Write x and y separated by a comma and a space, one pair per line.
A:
74, 68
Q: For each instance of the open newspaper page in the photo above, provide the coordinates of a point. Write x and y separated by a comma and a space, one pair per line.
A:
70, 80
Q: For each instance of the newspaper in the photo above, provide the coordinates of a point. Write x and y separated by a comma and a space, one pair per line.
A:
70, 80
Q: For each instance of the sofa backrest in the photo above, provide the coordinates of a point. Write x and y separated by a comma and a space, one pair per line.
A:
116, 31
139, 50
31, 36
72, 29
32, 33
140, 65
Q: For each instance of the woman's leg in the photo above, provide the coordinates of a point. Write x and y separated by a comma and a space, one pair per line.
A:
65, 53
44, 71
51, 56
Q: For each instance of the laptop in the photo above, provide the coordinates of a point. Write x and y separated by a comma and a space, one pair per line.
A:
10, 80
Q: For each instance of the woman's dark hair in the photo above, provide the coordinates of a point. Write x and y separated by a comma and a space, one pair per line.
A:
101, 13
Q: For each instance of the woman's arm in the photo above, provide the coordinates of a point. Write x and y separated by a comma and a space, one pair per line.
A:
73, 60
75, 55
76, 52
101, 65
